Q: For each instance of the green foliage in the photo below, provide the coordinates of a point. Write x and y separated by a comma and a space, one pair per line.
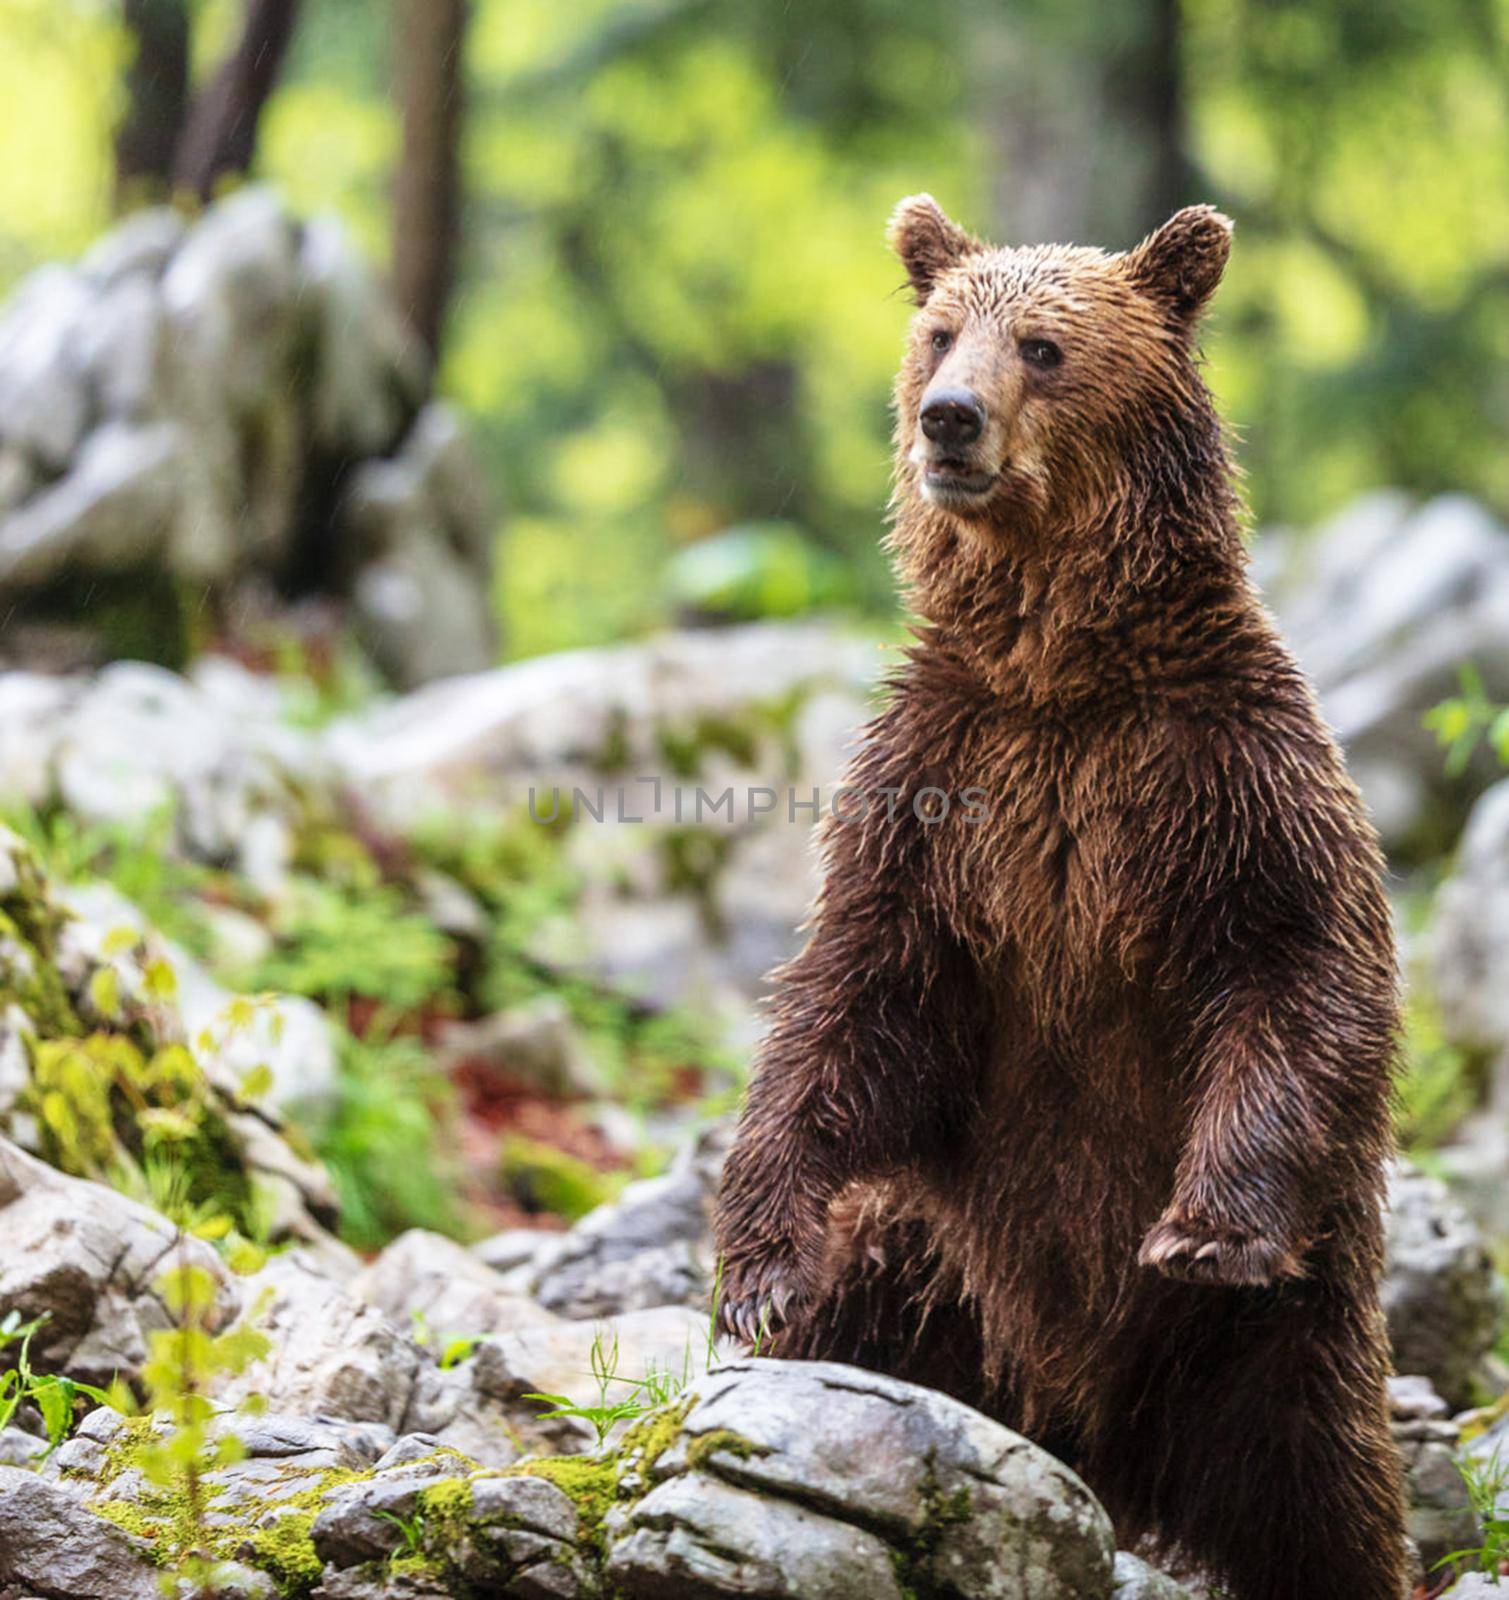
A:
382, 1145
1441, 1082
1463, 725
139, 859
143, 1120
54, 1395
337, 942
1487, 1483
543, 1178
765, 569
674, 231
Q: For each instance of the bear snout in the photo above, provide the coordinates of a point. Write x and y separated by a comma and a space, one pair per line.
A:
952, 419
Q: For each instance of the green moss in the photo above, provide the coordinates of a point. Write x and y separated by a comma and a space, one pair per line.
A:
542, 1178
648, 1439
164, 1517
285, 1551
913, 1563
589, 1482
443, 1511
722, 1441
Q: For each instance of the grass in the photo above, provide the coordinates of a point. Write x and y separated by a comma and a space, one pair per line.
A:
382, 1145
1487, 1483
638, 1396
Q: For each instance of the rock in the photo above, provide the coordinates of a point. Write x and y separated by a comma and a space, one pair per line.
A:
140, 741
426, 1279
1440, 1518
230, 1580
813, 1481
512, 1250
334, 1355
1470, 930
367, 1584
1135, 1580
1475, 1586
312, 1443
19, 1448
481, 1407
1469, 977
44, 400
537, 1043
354, 1524
419, 613
707, 1538
229, 294
767, 708
330, 1355
369, 370
52, 1543
118, 502
122, 350
91, 1260
650, 1247
522, 1530
407, 1450
179, 406
143, 243
31, 707
1440, 1293
1383, 606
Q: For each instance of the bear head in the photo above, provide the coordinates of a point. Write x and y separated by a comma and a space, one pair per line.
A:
1038, 382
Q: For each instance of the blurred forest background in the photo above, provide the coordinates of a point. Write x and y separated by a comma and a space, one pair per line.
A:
643, 237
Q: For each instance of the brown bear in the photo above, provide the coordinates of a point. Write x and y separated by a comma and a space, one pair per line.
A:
1076, 1104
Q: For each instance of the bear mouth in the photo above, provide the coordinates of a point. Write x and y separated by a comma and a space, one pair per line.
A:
949, 480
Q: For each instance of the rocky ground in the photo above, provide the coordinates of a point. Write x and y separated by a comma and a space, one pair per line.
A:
387, 1435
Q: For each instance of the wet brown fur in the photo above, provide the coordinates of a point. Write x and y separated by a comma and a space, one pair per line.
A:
1080, 1112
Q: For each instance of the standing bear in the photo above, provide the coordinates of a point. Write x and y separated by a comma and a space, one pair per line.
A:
1076, 1104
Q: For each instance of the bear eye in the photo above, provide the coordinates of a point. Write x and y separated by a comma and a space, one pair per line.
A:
942, 339
1041, 353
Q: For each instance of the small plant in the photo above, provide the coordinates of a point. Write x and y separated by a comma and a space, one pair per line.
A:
334, 943
450, 1349
655, 1389
1487, 1481
410, 1529
1464, 723
180, 1451
52, 1394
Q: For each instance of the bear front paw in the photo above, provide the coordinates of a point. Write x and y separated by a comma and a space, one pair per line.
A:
1195, 1253
757, 1297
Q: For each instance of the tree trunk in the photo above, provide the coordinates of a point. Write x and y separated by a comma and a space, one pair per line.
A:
430, 38
221, 137
1086, 110
157, 93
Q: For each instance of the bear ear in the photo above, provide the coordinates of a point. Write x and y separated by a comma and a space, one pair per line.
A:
1182, 262
927, 242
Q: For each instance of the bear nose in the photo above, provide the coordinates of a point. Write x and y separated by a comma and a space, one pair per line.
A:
952, 417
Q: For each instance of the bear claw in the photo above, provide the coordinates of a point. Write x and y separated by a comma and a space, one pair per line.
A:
1188, 1252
